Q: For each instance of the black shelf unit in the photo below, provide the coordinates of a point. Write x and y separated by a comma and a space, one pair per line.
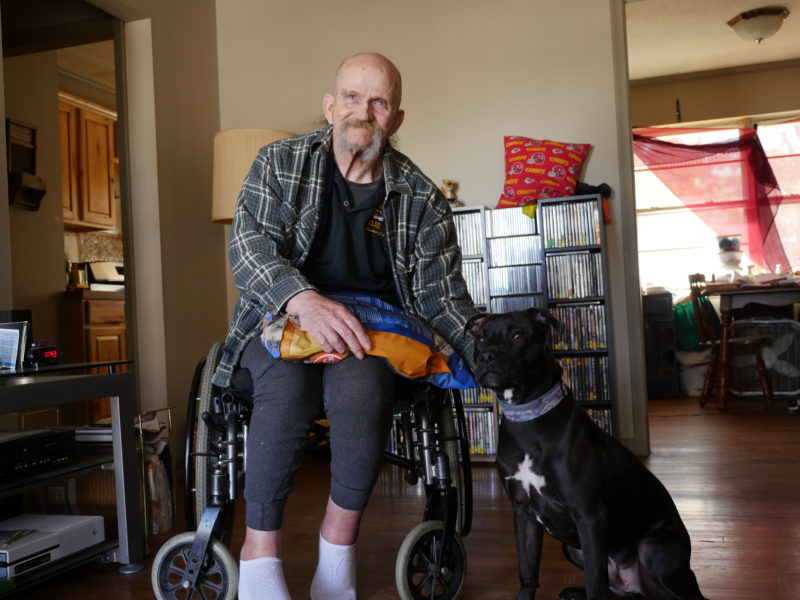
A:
32, 389
510, 253
479, 405
501, 251
514, 251
471, 232
576, 272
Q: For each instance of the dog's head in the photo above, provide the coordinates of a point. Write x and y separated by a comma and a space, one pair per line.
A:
514, 352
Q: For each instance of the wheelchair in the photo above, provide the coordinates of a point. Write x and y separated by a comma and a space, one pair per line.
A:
433, 451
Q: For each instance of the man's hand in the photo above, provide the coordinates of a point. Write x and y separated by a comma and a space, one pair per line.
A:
331, 324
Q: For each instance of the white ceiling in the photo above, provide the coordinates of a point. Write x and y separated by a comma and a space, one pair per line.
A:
668, 37
665, 37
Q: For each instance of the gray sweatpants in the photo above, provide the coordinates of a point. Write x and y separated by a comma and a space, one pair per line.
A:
357, 396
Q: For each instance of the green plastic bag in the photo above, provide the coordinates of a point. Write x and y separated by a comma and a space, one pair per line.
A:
688, 337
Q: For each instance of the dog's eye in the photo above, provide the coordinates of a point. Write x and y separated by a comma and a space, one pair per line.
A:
516, 336
480, 339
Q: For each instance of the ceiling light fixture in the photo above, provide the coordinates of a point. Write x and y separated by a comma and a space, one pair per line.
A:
760, 23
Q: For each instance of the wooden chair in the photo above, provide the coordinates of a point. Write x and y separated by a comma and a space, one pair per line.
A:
704, 321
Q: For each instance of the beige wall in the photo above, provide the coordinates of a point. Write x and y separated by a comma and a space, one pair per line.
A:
756, 91
37, 240
192, 247
473, 72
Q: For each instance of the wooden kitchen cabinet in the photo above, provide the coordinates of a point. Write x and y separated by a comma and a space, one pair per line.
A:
93, 331
89, 164
105, 344
67, 118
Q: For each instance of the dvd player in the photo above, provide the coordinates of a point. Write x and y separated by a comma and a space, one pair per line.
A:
28, 452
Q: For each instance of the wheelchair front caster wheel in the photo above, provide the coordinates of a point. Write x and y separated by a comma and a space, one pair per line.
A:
421, 573
218, 578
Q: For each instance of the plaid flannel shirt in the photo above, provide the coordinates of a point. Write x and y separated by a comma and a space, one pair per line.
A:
276, 218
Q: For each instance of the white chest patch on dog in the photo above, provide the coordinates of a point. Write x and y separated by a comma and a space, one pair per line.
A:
508, 394
528, 477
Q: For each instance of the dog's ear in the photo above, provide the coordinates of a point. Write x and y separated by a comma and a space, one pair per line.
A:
545, 318
475, 322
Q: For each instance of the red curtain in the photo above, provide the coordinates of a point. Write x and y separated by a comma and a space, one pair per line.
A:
730, 185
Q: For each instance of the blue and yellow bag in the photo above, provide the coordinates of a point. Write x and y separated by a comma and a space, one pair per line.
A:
409, 346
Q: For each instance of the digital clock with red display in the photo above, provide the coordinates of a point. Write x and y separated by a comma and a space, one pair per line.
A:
40, 355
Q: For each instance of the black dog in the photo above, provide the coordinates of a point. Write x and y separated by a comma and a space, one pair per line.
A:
568, 477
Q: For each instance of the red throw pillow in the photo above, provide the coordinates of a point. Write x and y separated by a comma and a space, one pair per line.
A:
540, 169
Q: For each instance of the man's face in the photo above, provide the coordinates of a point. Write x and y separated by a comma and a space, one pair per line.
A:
364, 106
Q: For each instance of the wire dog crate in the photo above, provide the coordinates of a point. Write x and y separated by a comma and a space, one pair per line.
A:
781, 356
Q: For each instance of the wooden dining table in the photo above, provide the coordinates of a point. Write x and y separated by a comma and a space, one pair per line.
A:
733, 296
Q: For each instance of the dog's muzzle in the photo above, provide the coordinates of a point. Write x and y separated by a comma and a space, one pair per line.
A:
491, 369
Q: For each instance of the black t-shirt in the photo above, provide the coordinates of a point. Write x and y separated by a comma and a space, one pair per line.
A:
349, 252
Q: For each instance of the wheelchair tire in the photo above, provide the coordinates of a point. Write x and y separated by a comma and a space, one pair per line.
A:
415, 572
188, 447
218, 578
202, 434
450, 446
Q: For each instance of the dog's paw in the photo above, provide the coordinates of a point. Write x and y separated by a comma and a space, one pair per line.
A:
526, 594
572, 593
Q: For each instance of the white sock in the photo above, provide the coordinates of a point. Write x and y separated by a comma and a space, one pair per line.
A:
262, 579
335, 578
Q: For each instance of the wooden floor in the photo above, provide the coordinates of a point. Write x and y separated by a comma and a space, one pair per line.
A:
735, 477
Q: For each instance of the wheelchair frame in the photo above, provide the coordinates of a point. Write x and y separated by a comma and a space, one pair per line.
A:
431, 561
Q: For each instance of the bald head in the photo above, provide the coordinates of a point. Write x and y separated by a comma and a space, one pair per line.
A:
380, 66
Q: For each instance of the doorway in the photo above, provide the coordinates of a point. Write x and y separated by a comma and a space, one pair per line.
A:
60, 74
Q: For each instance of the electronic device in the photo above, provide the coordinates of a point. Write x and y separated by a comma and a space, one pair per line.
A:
22, 550
29, 452
28, 542
13, 342
106, 275
42, 353
16, 316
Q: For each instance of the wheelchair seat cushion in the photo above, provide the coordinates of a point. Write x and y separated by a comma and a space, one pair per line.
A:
409, 346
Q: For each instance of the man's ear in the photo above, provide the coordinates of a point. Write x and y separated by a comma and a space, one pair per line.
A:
327, 107
398, 120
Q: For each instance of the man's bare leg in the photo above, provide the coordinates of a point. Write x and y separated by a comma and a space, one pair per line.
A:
261, 568
335, 577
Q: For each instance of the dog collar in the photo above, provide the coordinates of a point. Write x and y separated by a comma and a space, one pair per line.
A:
536, 407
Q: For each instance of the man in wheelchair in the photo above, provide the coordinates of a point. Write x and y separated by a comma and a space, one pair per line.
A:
334, 211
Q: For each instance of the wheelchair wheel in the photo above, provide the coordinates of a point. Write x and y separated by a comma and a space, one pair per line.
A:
450, 446
218, 578
416, 573
202, 434
188, 447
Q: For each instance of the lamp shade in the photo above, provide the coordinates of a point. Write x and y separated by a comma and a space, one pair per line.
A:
759, 24
234, 152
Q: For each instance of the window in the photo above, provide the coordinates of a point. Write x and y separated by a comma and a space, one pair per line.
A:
675, 240
781, 142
